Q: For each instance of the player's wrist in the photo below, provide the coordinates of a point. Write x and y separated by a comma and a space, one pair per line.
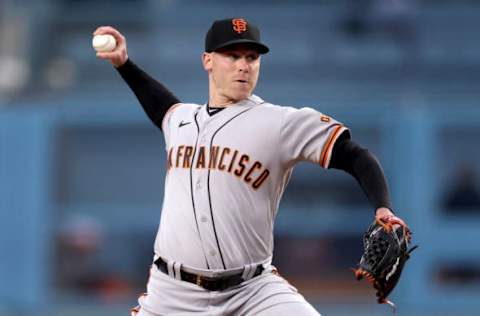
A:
383, 211
122, 61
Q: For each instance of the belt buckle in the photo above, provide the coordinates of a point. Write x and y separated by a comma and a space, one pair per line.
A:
199, 280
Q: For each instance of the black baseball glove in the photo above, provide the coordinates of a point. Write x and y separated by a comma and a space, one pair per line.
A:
386, 249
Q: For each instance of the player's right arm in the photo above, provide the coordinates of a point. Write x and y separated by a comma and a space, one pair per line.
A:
154, 97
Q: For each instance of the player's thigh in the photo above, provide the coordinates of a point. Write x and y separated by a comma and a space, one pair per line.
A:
294, 308
271, 294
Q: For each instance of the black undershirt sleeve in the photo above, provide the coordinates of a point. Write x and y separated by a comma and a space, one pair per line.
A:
154, 97
361, 164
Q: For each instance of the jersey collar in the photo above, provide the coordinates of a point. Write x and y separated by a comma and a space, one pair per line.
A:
251, 100
229, 111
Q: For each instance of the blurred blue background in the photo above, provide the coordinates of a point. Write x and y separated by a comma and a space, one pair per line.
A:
81, 167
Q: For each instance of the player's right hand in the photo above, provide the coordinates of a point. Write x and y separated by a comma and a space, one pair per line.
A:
119, 55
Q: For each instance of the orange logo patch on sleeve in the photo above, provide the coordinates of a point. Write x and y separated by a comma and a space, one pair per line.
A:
324, 118
239, 25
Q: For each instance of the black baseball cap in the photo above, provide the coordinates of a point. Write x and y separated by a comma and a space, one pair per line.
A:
232, 31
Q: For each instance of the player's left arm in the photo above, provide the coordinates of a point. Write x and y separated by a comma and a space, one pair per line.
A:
348, 156
308, 135
387, 241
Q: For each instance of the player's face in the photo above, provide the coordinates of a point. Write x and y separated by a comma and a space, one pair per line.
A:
233, 73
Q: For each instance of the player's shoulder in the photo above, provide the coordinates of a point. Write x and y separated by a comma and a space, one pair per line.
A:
284, 110
184, 107
180, 111
287, 114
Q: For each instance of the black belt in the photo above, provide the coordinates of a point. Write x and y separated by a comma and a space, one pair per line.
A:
209, 283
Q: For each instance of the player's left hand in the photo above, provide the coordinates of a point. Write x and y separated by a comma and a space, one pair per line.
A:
386, 249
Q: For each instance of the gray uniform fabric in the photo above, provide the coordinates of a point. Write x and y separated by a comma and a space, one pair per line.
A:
226, 174
265, 295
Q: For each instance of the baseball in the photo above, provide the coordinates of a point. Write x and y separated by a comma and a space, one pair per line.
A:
104, 43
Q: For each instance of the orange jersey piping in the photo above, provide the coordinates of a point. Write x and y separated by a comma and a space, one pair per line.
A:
327, 149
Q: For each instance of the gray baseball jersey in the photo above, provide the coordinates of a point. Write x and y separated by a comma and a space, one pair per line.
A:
226, 175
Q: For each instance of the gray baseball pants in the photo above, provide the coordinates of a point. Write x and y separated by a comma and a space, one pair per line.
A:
265, 295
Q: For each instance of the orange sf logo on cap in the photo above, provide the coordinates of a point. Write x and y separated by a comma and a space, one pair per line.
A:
239, 25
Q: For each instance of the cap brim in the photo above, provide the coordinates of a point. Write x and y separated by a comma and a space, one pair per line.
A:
259, 47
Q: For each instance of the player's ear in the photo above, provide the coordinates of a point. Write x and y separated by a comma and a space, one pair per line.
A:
207, 61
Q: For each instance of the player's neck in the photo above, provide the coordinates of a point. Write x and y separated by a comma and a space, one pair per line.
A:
219, 102
216, 100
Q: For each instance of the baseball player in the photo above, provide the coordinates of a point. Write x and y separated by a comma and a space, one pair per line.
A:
229, 161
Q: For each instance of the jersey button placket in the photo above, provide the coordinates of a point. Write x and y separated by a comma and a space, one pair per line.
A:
200, 195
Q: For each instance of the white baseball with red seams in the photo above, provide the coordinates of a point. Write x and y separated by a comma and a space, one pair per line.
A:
104, 43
